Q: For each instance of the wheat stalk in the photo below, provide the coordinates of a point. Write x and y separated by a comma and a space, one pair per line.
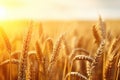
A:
119, 64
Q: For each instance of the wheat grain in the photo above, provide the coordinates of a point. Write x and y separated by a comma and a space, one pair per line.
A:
96, 35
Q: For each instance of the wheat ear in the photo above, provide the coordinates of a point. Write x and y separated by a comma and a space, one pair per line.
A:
96, 35
76, 74
8, 46
102, 27
48, 47
13, 61
32, 66
24, 54
73, 53
83, 57
110, 65
55, 54
98, 55
67, 49
39, 52
6, 39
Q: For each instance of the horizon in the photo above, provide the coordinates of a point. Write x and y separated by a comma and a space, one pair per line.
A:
59, 9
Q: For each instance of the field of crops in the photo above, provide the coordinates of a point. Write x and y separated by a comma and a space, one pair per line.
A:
60, 50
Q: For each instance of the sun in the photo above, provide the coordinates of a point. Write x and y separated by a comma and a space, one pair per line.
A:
3, 13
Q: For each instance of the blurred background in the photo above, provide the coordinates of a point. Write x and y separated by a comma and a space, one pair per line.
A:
59, 9
58, 13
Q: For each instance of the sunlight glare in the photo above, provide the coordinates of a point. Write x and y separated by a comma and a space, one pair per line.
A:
3, 13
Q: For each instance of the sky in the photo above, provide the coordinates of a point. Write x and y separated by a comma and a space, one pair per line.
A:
59, 9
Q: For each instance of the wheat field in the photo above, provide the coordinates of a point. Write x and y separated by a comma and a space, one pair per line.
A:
61, 50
